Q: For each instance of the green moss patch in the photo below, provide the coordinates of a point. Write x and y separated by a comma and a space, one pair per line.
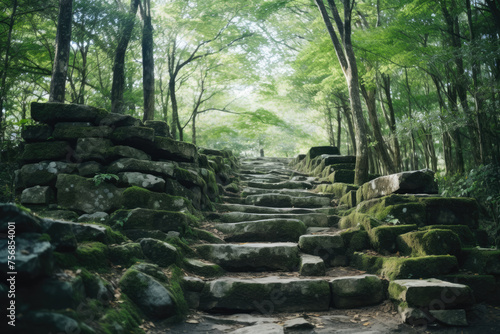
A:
92, 255
481, 261
464, 233
383, 238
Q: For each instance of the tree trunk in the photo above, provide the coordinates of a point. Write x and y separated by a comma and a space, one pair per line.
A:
173, 100
61, 59
148, 67
329, 125
348, 117
347, 59
193, 128
339, 127
381, 148
118, 85
386, 79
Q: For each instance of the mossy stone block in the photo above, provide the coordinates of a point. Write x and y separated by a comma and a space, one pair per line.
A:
36, 133
53, 112
159, 252
201, 268
484, 287
481, 260
169, 149
126, 254
418, 267
54, 150
161, 220
464, 233
357, 291
383, 238
431, 242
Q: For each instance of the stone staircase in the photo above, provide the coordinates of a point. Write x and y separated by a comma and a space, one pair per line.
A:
282, 248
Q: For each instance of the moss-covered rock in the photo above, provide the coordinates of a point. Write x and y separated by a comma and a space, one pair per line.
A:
311, 265
135, 136
349, 199
464, 233
159, 252
81, 194
431, 242
73, 131
137, 197
402, 268
158, 168
481, 261
201, 268
152, 297
36, 133
160, 220
484, 287
92, 255
53, 112
383, 238
169, 149
126, 254
329, 247
54, 150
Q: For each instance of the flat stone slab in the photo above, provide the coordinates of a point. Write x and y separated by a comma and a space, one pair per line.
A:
431, 293
274, 230
357, 291
311, 265
290, 192
298, 323
311, 219
261, 329
287, 201
265, 295
252, 256
281, 185
412, 182
261, 209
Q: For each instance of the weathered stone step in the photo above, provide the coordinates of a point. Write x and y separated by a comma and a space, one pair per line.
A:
247, 191
233, 200
283, 256
276, 294
265, 295
283, 201
261, 209
309, 219
274, 230
270, 178
281, 185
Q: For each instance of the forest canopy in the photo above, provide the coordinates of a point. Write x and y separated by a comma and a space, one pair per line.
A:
266, 74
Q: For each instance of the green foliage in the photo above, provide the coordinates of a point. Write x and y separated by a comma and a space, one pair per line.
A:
99, 178
483, 184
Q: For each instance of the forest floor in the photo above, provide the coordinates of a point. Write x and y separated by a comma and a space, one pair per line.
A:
383, 318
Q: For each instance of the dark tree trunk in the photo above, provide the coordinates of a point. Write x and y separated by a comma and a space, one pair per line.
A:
173, 100
118, 85
148, 67
61, 59
193, 128
386, 79
339, 127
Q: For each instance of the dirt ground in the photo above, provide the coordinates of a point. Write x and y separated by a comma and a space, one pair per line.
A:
383, 318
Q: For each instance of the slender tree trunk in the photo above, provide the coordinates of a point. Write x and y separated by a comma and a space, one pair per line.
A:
148, 67
193, 128
173, 101
370, 102
348, 117
61, 59
347, 59
329, 125
386, 79
118, 85
339, 127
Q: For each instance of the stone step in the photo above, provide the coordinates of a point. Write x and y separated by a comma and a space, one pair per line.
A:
269, 178
265, 295
277, 294
261, 209
283, 201
281, 185
309, 219
232, 200
247, 191
274, 230
283, 256
311, 265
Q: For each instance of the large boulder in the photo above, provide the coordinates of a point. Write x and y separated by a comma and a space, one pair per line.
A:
33, 257
19, 220
81, 194
413, 182
142, 180
161, 128
151, 295
136, 136
115, 120
432, 242
52, 113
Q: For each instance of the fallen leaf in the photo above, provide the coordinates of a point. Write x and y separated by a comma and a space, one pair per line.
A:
192, 321
366, 324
